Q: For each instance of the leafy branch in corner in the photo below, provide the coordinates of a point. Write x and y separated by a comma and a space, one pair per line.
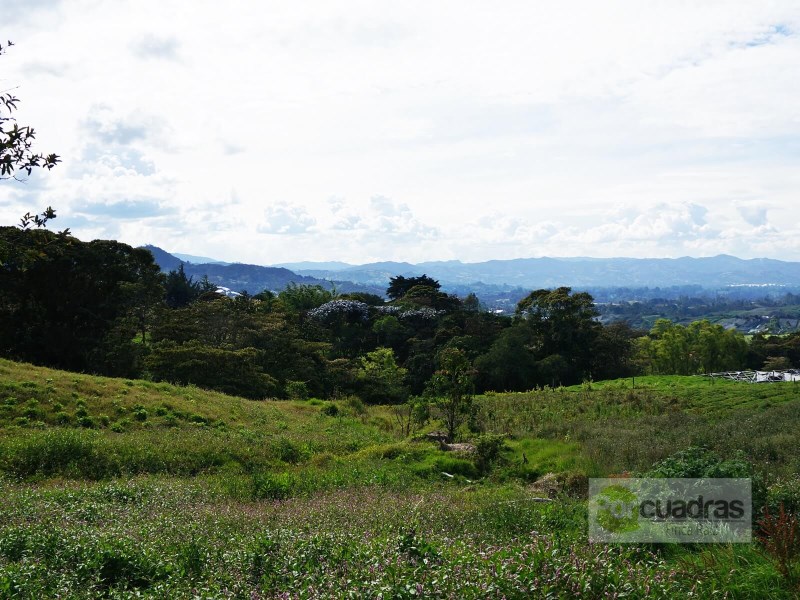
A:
16, 154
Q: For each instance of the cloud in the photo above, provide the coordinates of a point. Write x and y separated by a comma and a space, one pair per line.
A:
286, 219
417, 131
20, 11
756, 215
51, 69
104, 125
125, 209
152, 46
386, 207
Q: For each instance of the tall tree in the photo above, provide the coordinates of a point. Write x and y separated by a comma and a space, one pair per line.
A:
180, 289
564, 331
399, 285
73, 304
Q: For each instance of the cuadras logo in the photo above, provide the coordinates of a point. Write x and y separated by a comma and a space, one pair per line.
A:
618, 509
682, 510
697, 509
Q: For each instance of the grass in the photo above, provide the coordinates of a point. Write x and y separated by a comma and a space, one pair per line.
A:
158, 537
120, 488
621, 428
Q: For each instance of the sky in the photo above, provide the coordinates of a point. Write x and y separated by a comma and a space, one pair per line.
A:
267, 132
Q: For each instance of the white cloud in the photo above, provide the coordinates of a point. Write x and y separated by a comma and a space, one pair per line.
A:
417, 130
285, 219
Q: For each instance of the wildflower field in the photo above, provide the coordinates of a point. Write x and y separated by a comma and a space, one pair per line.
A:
121, 488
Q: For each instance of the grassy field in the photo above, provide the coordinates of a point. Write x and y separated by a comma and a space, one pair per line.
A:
118, 488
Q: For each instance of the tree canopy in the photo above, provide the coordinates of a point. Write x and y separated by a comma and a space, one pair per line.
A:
399, 286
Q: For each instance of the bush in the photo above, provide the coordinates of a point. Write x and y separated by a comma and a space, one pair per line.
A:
273, 486
698, 462
487, 450
784, 493
297, 390
330, 409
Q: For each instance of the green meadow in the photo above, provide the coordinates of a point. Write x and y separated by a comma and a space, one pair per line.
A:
125, 488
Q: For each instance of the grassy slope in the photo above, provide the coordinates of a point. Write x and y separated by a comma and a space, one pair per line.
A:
117, 426
55, 423
612, 426
351, 495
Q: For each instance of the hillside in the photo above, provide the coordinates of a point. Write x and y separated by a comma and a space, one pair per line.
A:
251, 278
126, 488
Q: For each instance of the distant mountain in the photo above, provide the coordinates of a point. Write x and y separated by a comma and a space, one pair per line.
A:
168, 262
582, 272
198, 260
250, 278
503, 282
314, 266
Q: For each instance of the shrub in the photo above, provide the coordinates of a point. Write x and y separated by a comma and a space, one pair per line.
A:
139, 413
698, 462
487, 450
330, 409
297, 390
780, 536
273, 486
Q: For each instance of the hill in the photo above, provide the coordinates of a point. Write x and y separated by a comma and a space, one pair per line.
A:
123, 488
251, 278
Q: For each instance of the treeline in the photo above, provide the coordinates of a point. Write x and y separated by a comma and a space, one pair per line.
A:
104, 307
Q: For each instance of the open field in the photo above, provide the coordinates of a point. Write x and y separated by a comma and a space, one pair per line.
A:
121, 488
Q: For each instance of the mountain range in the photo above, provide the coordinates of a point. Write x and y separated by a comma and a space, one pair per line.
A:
499, 276
712, 272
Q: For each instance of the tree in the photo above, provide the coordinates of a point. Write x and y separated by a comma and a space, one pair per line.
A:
451, 388
180, 289
16, 154
380, 379
399, 285
301, 298
509, 364
72, 304
700, 347
472, 304
564, 331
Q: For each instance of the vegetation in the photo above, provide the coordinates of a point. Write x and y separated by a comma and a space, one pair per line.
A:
16, 144
118, 487
177, 478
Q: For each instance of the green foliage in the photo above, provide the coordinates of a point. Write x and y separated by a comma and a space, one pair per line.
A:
380, 379
488, 449
181, 290
699, 348
451, 388
696, 462
297, 390
235, 372
330, 409
74, 304
16, 142
301, 298
285, 500
510, 363
400, 285
564, 332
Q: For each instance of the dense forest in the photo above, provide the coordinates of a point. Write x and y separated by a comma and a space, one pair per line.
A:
104, 307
